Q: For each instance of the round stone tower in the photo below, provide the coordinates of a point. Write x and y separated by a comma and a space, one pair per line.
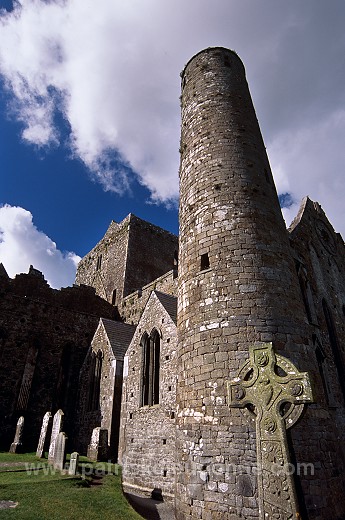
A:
237, 285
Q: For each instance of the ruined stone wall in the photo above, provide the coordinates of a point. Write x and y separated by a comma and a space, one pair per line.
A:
237, 287
320, 261
147, 433
57, 327
105, 266
131, 307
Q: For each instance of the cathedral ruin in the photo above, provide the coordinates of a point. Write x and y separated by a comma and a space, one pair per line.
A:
211, 365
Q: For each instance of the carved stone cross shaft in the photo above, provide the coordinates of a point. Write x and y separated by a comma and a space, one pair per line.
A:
271, 390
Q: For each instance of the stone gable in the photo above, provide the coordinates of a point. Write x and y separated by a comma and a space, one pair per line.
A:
101, 383
147, 434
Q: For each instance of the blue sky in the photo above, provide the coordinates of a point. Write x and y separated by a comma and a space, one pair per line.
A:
89, 112
65, 201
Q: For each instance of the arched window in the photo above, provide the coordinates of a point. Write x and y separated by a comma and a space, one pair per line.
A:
306, 293
95, 380
150, 348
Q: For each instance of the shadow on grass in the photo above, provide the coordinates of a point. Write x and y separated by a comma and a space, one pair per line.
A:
146, 507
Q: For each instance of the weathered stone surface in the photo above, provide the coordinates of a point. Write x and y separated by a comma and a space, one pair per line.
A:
43, 434
73, 464
121, 262
147, 439
101, 385
238, 286
8, 504
56, 429
17, 445
44, 337
98, 447
60, 451
258, 385
133, 305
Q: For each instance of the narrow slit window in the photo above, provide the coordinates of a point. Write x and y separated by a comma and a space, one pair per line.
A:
204, 262
99, 263
175, 258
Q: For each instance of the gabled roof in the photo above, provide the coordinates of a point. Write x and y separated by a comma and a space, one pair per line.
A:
3, 271
169, 303
119, 334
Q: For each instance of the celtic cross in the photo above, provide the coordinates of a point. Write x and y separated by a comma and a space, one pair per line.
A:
271, 390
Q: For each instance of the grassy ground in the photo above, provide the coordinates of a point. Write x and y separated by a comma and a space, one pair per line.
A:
45, 494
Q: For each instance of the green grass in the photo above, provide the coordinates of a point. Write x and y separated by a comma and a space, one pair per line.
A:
43, 494
14, 457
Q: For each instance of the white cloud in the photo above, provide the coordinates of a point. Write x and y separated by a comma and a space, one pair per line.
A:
113, 72
311, 161
22, 245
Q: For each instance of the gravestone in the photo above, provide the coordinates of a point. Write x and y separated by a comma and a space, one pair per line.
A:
17, 443
56, 429
59, 454
73, 463
43, 434
98, 447
277, 402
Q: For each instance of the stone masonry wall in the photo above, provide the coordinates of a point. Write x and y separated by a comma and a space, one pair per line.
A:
111, 379
132, 307
131, 254
152, 252
147, 433
320, 260
58, 327
105, 266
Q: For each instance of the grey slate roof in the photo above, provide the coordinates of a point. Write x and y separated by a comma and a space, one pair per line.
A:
169, 303
119, 334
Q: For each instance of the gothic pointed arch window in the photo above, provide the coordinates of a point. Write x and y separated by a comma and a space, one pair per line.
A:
306, 293
64, 377
150, 368
95, 380
27, 377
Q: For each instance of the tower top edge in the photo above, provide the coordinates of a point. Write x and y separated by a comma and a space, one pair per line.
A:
209, 50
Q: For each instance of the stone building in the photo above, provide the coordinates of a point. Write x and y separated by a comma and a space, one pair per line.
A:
44, 337
149, 400
217, 382
100, 385
129, 256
